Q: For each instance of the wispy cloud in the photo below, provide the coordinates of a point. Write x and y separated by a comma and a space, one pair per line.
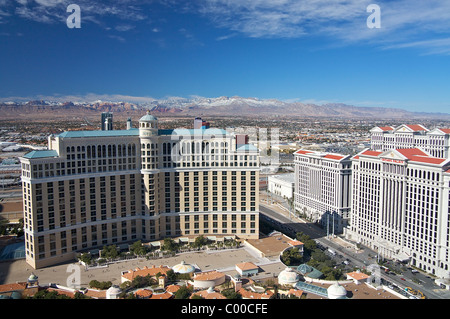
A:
54, 11
344, 22
419, 24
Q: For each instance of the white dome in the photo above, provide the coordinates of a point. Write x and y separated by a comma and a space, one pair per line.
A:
288, 277
336, 291
113, 292
183, 268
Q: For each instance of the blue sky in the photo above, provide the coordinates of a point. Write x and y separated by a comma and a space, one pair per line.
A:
293, 50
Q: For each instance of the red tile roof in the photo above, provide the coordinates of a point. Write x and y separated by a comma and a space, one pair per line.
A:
445, 130
210, 295
303, 152
164, 295
173, 288
335, 157
417, 155
295, 243
416, 127
13, 287
295, 292
386, 128
357, 275
371, 153
131, 274
246, 294
143, 293
246, 266
96, 294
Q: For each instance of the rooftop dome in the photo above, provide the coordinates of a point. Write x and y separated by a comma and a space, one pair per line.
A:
288, 277
148, 117
336, 291
183, 268
113, 292
304, 268
32, 277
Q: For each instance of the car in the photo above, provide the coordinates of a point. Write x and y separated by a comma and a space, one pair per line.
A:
403, 279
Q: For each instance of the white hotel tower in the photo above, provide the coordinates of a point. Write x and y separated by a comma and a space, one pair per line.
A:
436, 141
97, 188
322, 188
400, 206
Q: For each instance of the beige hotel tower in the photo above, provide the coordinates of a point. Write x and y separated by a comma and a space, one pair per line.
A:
97, 188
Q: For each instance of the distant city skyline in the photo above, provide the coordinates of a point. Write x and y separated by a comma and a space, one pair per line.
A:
312, 52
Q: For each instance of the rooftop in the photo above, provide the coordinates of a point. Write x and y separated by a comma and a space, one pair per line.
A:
99, 133
246, 266
270, 246
289, 177
329, 156
152, 271
41, 154
357, 275
209, 275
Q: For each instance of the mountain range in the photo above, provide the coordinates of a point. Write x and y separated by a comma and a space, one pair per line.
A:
200, 106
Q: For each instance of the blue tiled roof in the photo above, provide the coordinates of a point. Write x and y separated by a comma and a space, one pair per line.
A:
79, 134
41, 154
135, 132
148, 117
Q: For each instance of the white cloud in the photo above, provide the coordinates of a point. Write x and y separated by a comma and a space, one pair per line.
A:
124, 27
342, 21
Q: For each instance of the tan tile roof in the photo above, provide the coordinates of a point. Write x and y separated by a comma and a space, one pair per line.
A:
13, 287
173, 288
143, 293
358, 275
97, 294
151, 271
246, 266
164, 295
209, 275
295, 243
247, 294
210, 295
296, 292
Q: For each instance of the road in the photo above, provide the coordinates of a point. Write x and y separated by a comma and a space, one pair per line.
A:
362, 258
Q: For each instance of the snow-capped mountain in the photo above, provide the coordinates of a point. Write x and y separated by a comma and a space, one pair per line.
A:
219, 106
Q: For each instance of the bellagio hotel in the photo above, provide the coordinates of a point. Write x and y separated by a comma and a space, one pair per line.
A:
97, 188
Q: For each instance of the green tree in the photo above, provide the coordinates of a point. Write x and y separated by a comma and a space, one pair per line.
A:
171, 275
169, 245
45, 294
231, 294
100, 284
138, 249
183, 293
200, 241
86, 258
291, 257
110, 252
